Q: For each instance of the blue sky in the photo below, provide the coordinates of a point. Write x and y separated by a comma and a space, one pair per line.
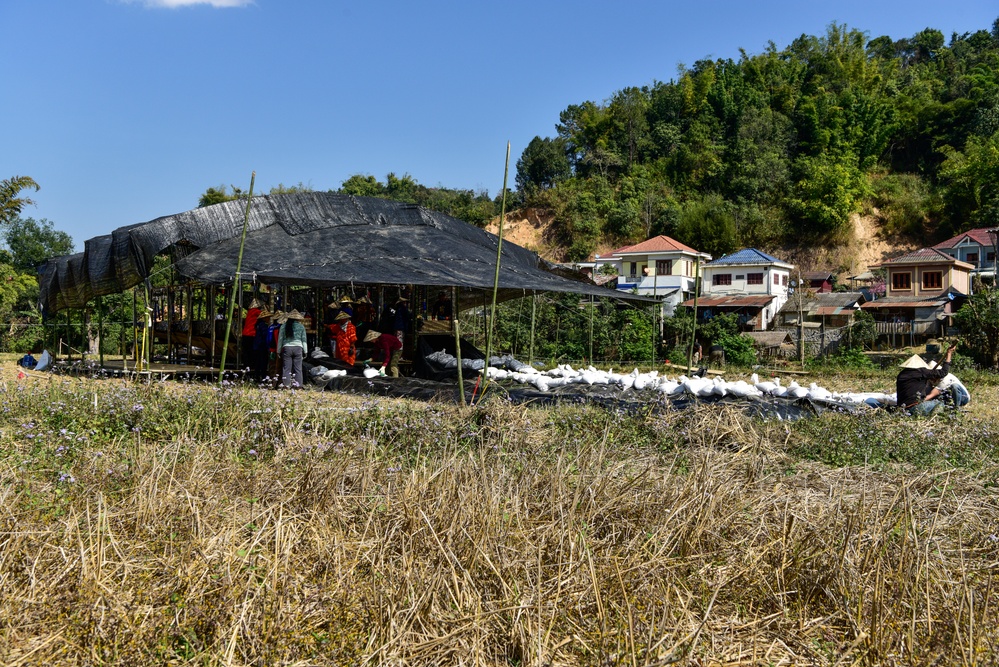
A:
124, 111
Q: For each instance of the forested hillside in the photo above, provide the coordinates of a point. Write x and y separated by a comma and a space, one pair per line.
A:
781, 147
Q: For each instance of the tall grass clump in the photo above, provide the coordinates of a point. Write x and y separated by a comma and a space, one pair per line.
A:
188, 524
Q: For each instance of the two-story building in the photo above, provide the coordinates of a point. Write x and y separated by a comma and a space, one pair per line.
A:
748, 282
923, 289
660, 267
973, 247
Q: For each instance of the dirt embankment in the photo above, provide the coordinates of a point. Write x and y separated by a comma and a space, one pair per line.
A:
866, 247
529, 228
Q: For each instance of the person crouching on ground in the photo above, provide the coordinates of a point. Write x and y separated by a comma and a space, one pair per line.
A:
390, 349
915, 385
293, 346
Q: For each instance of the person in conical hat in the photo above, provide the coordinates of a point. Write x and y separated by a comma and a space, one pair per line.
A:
345, 335
293, 346
388, 348
914, 385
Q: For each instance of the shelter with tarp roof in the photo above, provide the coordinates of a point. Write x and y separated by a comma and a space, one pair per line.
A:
324, 244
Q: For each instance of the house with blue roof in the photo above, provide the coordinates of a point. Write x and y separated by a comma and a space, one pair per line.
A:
748, 282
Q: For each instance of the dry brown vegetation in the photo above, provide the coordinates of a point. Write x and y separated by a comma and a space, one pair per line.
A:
146, 525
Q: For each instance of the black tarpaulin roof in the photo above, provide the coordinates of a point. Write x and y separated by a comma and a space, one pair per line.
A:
309, 239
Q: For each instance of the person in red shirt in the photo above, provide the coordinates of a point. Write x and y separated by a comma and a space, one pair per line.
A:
390, 349
346, 338
249, 359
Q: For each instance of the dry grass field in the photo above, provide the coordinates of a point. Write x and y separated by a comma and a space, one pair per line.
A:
189, 524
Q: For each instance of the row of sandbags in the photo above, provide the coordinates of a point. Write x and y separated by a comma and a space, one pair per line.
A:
700, 387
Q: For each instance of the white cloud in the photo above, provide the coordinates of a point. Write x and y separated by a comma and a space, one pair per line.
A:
172, 4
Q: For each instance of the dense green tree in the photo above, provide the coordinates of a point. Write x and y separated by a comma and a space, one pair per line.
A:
708, 224
473, 207
543, 164
217, 195
11, 201
979, 322
31, 242
972, 179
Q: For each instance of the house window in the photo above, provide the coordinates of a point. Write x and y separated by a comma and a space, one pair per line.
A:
784, 281
972, 258
901, 281
932, 280
664, 267
634, 269
776, 279
990, 257
754, 278
721, 279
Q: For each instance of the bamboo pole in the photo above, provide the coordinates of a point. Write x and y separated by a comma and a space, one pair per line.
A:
457, 343
210, 306
534, 311
499, 255
236, 282
170, 353
100, 330
801, 324
190, 321
135, 326
591, 329
693, 330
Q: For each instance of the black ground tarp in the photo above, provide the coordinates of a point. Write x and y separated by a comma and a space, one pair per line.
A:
429, 343
312, 238
607, 396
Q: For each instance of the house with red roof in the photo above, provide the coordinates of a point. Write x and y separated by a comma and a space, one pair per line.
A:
923, 289
974, 247
660, 267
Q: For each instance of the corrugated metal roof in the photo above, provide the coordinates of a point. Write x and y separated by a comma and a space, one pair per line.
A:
827, 301
925, 256
746, 256
909, 301
731, 301
768, 338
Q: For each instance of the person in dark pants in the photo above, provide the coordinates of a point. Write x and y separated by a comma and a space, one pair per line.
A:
293, 347
261, 346
915, 385
402, 317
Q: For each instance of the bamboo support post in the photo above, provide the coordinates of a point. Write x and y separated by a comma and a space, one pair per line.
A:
457, 343
693, 330
236, 281
499, 257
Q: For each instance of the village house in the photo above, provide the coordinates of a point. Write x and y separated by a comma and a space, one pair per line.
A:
820, 282
923, 289
748, 282
660, 267
975, 247
816, 310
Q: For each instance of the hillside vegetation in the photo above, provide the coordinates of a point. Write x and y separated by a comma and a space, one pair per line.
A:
782, 147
